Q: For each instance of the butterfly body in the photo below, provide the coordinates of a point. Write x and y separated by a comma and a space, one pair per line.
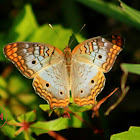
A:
68, 56
55, 73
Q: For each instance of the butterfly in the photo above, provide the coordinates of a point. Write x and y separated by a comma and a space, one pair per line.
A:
56, 73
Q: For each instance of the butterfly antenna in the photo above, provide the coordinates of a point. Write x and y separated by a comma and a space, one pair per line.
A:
77, 34
57, 34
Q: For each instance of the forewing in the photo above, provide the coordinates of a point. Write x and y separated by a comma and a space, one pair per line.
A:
100, 51
30, 58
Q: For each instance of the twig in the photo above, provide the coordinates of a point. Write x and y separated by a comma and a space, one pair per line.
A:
56, 135
95, 108
124, 90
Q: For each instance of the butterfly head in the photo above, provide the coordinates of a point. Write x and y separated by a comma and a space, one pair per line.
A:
67, 50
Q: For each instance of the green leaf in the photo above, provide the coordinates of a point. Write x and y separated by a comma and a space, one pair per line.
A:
39, 130
133, 13
24, 24
55, 125
46, 107
110, 9
133, 68
73, 121
13, 122
18, 83
75, 108
132, 133
8, 130
27, 136
3, 85
28, 117
7, 115
27, 98
45, 34
76, 122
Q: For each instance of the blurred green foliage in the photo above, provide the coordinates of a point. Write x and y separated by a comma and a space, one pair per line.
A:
132, 133
29, 22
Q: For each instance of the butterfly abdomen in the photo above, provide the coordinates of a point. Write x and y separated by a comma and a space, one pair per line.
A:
67, 56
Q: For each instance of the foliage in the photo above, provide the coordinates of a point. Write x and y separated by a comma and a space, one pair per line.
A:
132, 133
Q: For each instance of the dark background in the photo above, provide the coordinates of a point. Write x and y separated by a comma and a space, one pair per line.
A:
72, 14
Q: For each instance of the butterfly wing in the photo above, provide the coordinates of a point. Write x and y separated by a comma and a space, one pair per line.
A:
30, 58
87, 82
89, 60
46, 65
52, 84
100, 51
